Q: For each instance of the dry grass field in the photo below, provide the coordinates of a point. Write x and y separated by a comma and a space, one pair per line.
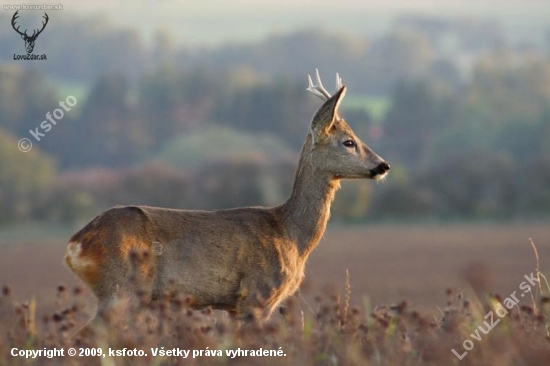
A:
337, 319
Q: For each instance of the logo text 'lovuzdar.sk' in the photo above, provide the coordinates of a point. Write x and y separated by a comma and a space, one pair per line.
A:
29, 39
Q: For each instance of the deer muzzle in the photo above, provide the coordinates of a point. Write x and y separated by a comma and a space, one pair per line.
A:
380, 171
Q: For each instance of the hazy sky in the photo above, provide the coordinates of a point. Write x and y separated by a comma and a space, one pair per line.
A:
213, 21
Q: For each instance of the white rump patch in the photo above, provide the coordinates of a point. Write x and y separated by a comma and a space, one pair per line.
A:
74, 249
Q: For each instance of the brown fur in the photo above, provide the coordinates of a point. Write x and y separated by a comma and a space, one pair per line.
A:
243, 260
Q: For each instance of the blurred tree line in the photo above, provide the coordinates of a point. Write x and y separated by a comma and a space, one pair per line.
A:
223, 127
479, 151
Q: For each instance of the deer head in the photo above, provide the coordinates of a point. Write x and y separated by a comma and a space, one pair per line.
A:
29, 40
335, 148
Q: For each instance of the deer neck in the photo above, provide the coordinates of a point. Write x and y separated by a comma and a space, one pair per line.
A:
307, 211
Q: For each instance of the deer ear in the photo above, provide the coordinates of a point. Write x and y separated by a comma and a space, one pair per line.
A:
326, 115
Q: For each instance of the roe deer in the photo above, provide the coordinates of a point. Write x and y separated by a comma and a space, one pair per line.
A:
243, 260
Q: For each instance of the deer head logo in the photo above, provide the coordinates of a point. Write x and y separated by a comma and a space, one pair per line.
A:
29, 40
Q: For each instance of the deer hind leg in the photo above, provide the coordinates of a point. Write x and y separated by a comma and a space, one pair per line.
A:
115, 307
97, 324
89, 269
114, 281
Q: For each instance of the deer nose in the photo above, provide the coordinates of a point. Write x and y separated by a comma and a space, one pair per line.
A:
382, 168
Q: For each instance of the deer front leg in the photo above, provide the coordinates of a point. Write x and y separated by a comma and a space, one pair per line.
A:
256, 301
250, 306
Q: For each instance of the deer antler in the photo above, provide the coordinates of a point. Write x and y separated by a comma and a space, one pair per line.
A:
34, 34
318, 89
13, 19
43, 26
338, 82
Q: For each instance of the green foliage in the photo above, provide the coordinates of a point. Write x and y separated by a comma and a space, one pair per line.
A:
281, 108
200, 147
353, 200
399, 55
109, 130
458, 139
25, 178
244, 181
375, 106
420, 112
78, 90
463, 149
506, 106
24, 99
77, 197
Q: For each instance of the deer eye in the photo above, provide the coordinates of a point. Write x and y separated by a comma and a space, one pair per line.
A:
349, 143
